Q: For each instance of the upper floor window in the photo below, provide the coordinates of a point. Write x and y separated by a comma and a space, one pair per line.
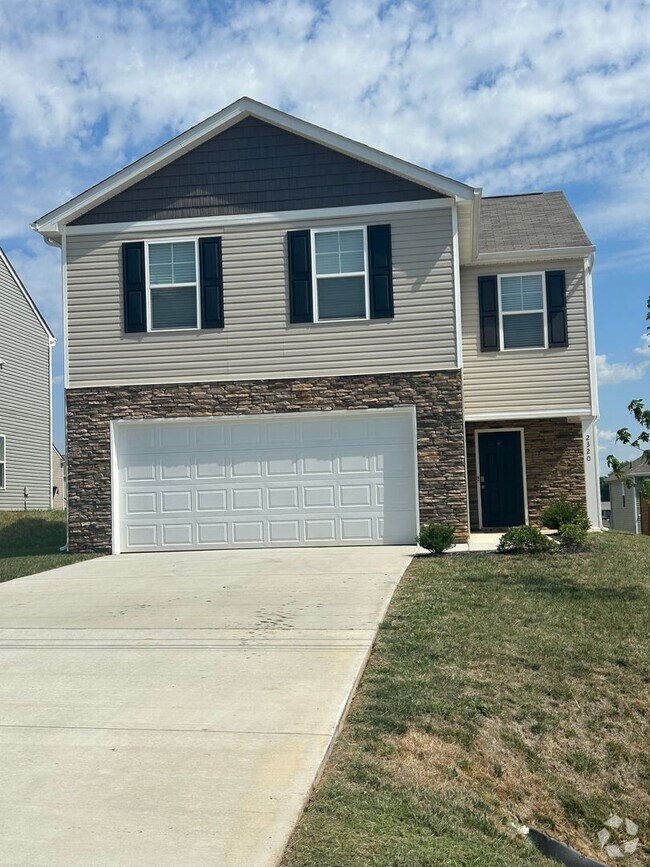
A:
172, 284
523, 311
340, 274
3, 461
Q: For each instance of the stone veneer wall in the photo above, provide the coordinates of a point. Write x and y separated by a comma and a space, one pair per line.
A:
435, 394
554, 462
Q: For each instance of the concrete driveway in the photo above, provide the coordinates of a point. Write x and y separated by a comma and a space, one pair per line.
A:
175, 709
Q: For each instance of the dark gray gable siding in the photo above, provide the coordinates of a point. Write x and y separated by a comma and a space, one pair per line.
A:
254, 167
535, 221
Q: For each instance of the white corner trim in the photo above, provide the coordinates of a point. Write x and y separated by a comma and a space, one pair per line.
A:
591, 333
115, 484
592, 478
457, 295
21, 286
64, 289
218, 222
476, 223
219, 122
516, 414
542, 254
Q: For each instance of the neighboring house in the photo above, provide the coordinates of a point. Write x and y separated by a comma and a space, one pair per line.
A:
25, 397
630, 511
279, 336
605, 511
59, 495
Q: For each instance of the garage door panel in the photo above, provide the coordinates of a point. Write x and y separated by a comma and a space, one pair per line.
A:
275, 481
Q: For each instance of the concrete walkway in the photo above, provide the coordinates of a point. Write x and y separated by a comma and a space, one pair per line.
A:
175, 709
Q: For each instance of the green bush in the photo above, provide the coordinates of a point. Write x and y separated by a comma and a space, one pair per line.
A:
572, 535
525, 540
562, 511
436, 538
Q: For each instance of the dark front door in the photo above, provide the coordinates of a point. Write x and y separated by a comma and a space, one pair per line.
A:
501, 478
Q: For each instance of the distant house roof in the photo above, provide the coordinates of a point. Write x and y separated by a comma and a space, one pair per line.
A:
637, 468
532, 221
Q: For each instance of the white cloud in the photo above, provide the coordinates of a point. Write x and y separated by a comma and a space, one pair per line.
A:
644, 346
510, 95
606, 436
615, 372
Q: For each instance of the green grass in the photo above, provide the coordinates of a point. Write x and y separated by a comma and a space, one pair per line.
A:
500, 689
30, 543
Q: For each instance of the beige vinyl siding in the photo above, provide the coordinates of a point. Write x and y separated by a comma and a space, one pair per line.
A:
24, 400
258, 341
525, 380
624, 518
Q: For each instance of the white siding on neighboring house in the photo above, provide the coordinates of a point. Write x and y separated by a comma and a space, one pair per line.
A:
526, 379
626, 508
24, 399
258, 341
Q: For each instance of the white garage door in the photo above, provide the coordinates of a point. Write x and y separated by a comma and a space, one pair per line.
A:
302, 479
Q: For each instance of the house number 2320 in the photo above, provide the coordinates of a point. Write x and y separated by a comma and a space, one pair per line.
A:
588, 447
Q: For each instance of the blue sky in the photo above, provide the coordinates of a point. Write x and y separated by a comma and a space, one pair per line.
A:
512, 96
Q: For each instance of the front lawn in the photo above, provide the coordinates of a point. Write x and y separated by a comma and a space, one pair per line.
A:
501, 689
30, 543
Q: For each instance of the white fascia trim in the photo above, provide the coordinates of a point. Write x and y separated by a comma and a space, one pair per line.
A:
227, 117
517, 414
591, 333
19, 283
456, 275
306, 215
534, 253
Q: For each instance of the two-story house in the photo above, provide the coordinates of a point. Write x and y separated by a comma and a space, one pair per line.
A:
25, 397
279, 336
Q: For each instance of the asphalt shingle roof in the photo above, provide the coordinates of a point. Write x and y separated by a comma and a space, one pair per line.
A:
534, 221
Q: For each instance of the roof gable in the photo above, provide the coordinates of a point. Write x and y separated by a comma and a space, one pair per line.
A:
52, 223
254, 167
7, 267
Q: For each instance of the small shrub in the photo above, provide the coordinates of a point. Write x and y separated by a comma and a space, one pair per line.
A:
436, 538
562, 511
572, 535
525, 540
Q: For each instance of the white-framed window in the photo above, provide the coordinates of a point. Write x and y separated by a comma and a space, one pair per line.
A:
173, 292
3, 462
522, 311
340, 274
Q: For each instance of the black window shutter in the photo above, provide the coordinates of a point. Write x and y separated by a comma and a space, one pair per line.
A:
558, 334
134, 285
300, 282
380, 264
489, 313
211, 271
